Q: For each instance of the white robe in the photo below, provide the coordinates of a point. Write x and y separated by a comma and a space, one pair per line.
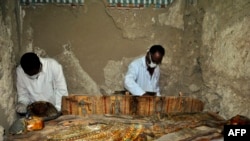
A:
50, 85
138, 79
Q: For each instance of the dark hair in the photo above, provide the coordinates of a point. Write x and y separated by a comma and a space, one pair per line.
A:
157, 48
30, 61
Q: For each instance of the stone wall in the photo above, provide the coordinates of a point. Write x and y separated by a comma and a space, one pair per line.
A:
206, 42
225, 59
7, 66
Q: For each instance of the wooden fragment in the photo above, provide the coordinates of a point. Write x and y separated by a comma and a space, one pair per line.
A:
116, 104
146, 105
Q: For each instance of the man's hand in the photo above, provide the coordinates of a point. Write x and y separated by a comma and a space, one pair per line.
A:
21, 108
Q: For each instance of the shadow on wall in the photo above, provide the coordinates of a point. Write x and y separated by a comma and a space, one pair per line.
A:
78, 81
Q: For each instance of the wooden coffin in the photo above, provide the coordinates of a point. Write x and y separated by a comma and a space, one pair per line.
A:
128, 105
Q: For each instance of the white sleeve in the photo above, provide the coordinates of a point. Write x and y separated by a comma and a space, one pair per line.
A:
157, 84
59, 84
130, 80
22, 92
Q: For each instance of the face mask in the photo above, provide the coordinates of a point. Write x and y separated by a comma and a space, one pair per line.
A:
33, 77
151, 64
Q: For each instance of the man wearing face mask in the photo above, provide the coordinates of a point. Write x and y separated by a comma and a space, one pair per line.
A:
142, 77
39, 79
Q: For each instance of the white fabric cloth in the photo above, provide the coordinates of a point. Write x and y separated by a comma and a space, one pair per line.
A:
138, 79
50, 85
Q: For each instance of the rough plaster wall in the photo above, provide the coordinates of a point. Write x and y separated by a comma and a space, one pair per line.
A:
7, 63
95, 26
1, 133
226, 59
114, 73
89, 29
186, 67
157, 27
145, 23
173, 17
78, 81
200, 41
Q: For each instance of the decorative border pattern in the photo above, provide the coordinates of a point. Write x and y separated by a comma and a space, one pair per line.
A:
37, 2
139, 3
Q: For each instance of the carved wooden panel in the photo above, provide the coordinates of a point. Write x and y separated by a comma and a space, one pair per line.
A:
129, 105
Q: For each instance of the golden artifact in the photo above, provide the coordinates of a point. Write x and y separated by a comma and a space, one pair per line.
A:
186, 126
99, 131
